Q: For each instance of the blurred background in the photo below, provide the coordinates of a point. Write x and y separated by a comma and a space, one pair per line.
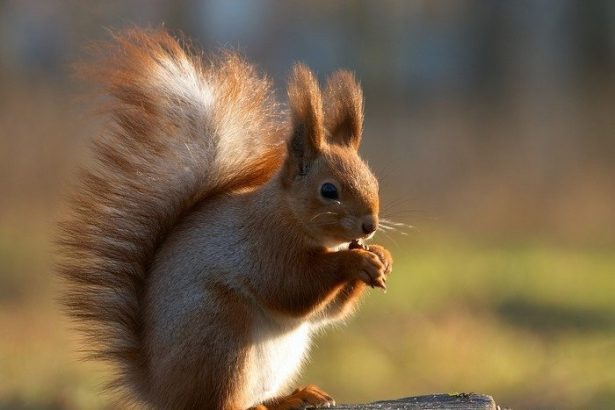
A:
492, 127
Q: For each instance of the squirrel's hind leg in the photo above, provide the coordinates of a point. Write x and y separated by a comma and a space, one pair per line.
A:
310, 396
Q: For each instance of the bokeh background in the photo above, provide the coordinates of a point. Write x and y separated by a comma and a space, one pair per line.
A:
492, 127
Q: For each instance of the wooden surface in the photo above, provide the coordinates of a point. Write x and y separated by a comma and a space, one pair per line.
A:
461, 401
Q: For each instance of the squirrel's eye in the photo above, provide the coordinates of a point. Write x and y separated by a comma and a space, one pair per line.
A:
329, 191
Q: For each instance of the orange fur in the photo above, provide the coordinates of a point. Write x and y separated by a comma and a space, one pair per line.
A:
199, 247
344, 108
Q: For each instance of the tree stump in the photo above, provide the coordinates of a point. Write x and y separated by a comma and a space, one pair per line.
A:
461, 401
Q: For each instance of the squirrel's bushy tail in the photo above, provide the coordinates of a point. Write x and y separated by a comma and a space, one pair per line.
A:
182, 128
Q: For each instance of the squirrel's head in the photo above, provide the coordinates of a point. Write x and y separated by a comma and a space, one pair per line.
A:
328, 186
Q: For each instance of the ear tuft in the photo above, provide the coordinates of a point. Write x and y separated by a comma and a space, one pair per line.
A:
344, 109
305, 101
308, 132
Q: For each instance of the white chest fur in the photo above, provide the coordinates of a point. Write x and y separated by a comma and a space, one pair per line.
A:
277, 355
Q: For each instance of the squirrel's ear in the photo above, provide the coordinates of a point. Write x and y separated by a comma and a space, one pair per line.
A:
305, 102
344, 109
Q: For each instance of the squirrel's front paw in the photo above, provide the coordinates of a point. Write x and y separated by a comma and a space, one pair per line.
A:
371, 267
385, 257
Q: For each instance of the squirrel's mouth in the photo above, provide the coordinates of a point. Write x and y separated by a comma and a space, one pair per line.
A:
352, 238
362, 238
334, 238
368, 236
357, 243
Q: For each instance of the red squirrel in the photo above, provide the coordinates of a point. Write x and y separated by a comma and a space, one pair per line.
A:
216, 232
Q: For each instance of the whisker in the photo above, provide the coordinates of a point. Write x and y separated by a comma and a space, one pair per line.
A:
392, 226
394, 223
323, 213
386, 227
324, 223
389, 225
389, 237
391, 221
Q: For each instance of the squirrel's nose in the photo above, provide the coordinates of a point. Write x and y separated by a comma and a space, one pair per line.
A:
369, 225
